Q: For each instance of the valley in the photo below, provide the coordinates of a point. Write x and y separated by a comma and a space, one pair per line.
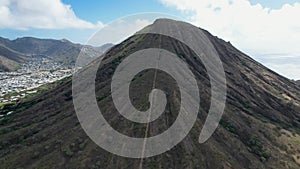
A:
18, 84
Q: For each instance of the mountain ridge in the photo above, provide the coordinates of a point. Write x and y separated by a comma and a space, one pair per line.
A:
62, 51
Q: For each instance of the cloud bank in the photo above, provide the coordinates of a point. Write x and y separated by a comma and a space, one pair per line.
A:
252, 28
41, 14
118, 31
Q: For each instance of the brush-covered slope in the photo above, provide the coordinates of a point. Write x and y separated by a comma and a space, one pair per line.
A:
259, 129
10, 59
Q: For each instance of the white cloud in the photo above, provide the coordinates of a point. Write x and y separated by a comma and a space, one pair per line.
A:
42, 14
251, 28
122, 28
286, 68
118, 31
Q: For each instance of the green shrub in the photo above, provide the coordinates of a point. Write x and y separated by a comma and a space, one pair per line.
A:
5, 120
256, 147
36, 154
266, 154
21, 139
68, 152
228, 126
82, 145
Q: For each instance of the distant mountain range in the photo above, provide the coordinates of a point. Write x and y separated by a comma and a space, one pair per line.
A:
260, 127
14, 52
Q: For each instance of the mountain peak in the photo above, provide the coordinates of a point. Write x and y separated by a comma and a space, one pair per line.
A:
164, 20
64, 40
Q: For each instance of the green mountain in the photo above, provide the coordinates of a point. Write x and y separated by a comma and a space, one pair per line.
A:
63, 51
259, 129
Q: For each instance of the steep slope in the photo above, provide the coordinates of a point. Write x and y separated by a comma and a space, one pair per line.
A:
10, 59
259, 129
62, 51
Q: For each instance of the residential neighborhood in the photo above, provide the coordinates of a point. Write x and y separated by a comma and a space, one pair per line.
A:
18, 84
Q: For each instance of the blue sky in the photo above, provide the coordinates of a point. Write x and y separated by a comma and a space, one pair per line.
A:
107, 11
268, 30
274, 4
92, 11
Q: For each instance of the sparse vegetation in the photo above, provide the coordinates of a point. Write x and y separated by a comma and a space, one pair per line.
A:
256, 147
102, 98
